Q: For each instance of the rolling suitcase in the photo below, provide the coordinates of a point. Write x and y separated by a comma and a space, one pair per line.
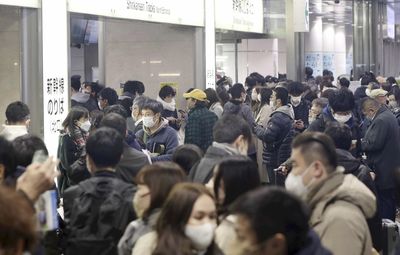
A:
390, 236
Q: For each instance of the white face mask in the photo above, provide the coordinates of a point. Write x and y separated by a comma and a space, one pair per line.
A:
254, 95
98, 103
201, 235
226, 87
85, 126
170, 106
342, 118
149, 121
259, 97
295, 184
295, 100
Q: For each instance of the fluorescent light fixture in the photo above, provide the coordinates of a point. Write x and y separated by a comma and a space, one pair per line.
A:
155, 61
169, 74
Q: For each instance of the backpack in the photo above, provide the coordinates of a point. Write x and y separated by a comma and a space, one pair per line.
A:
100, 215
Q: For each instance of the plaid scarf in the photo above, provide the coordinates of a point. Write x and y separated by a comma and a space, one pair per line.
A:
79, 137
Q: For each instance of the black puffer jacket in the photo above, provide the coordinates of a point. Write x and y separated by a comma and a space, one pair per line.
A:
302, 111
277, 136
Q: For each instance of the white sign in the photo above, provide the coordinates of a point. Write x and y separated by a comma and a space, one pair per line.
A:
301, 16
391, 20
55, 70
21, 3
183, 12
239, 15
210, 43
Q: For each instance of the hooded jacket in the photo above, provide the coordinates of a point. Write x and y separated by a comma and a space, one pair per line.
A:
163, 141
10, 132
238, 108
130, 164
340, 206
277, 136
84, 100
313, 246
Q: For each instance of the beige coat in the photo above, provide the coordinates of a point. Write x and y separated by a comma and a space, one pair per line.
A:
225, 235
340, 206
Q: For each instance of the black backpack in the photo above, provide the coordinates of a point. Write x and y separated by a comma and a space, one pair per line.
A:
100, 215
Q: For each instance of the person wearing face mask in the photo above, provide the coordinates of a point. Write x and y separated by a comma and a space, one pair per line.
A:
72, 148
186, 224
214, 102
340, 109
381, 145
18, 121
252, 81
339, 203
232, 136
157, 137
272, 221
166, 96
278, 134
232, 178
137, 116
200, 120
317, 106
301, 107
154, 184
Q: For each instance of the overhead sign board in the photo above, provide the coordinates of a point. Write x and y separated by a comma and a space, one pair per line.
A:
21, 3
182, 12
239, 15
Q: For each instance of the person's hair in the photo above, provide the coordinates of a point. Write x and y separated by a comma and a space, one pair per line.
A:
17, 112
237, 175
25, 147
7, 156
282, 94
228, 128
223, 95
166, 91
320, 102
116, 108
342, 100
187, 155
115, 121
386, 86
95, 118
139, 102
76, 82
131, 87
96, 87
160, 178
127, 104
110, 95
391, 80
325, 72
327, 93
74, 115
153, 105
296, 88
236, 90
253, 79
140, 88
317, 146
212, 96
266, 94
368, 102
104, 146
174, 216
344, 82
340, 134
367, 78
395, 91
17, 222
309, 71
273, 210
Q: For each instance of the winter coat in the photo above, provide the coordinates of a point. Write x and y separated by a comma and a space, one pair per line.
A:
362, 172
381, 144
313, 246
134, 231
241, 109
162, 142
130, 164
84, 100
263, 115
217, 109
340, 205
203, 170
199, 127
167, 113
277, 136
302, 111
10, 132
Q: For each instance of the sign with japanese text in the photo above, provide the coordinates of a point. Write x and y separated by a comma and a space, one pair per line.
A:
239, 15
55, 70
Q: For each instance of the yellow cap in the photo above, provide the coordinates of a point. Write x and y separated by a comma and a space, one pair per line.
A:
378, 93
197, 94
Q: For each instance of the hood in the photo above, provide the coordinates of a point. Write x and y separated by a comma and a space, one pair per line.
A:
216, 152
80, 97
163, 124
346, 160
286, 109
232, 107
313, 246
10, 132
339, 186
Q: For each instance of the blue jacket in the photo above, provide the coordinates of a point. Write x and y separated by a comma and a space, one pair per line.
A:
313, 246
162, 141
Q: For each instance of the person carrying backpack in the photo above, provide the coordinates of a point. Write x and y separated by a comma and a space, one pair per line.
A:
97, 210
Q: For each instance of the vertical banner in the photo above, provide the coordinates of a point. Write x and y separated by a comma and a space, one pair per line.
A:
210, 43
55, 70
301, 16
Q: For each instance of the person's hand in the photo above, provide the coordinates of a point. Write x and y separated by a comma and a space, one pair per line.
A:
38, 178
171, 119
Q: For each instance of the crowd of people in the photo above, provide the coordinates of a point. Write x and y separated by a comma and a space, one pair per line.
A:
269, 167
